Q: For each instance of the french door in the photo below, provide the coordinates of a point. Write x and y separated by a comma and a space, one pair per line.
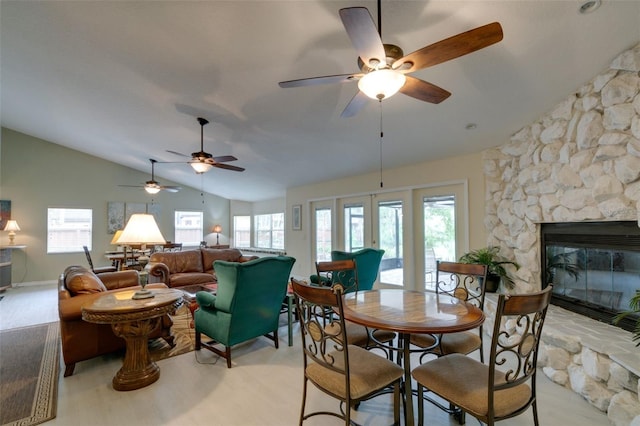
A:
415, 228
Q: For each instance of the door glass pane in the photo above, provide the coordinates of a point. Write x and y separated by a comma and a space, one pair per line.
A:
390, 238
353, 228
323, 235
439, 234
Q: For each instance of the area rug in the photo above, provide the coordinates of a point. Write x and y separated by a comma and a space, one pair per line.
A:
29, 374
183, 337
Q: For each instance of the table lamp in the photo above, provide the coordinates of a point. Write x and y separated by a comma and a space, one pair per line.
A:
116, 237
217, 229
12, 227
142, 229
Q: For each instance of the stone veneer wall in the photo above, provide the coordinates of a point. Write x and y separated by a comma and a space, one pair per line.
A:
579, 162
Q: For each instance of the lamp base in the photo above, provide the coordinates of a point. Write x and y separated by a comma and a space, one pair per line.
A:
143, 294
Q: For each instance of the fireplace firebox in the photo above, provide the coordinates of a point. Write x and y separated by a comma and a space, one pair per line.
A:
594, 267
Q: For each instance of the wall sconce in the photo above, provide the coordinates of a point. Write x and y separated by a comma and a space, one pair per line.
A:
217, 229
12, 227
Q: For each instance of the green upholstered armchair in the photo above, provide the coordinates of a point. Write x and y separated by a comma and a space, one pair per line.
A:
367, 265
247, 304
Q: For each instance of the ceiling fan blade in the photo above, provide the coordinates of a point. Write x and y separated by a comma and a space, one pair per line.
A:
132, 186
355, 105
228, 167
364, 35
171, 188
450, 48
224, 158
314, 81
175, 153
424, 91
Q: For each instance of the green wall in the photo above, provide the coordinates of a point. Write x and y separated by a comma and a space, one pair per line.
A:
36, 174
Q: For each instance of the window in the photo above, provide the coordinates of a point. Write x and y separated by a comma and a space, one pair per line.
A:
188, 228
353, 228
323, 234
68, 230
269, 231
242, 231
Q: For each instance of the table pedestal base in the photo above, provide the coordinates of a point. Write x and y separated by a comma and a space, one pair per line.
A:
138, 370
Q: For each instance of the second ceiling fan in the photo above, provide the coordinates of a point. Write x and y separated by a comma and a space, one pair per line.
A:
152, 186
384, 67
202, 161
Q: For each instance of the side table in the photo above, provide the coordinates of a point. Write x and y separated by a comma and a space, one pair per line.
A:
133, 320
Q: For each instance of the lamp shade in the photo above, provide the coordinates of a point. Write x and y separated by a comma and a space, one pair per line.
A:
12, 225
217, 229
381, 84
116, 236
141, 229
200, 166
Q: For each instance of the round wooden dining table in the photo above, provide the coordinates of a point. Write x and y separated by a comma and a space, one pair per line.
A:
410, 312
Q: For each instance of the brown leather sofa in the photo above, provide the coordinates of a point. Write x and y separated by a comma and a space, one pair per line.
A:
190, 267
81, 340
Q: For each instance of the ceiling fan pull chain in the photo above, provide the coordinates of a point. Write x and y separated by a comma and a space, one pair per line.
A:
381, 136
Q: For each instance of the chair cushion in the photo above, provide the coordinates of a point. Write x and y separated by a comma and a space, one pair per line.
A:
463, 381
369, 372
80, 281
452, 343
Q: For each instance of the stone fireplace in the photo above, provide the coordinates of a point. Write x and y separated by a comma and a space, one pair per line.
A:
578, 163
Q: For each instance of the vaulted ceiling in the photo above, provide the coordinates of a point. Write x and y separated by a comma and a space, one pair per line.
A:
126, 80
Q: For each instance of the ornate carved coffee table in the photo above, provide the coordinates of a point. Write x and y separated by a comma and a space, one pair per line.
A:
134, 320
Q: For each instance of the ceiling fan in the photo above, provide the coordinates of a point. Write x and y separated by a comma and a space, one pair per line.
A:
202, 161
151, 186
384, 67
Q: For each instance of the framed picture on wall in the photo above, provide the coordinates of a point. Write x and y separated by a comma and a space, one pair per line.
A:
297, 217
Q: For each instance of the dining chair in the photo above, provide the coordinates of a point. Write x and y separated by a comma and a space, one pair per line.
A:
464, 281
100, 269
345, 273
348, 372
367, 262
506, 386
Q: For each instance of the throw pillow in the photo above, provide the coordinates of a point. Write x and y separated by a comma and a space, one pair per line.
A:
84, 282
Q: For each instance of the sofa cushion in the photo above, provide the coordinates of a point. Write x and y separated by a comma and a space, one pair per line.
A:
180, 261
79, 281
211, 255
182, 279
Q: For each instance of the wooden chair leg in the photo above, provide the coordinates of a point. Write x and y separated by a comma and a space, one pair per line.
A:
198, 341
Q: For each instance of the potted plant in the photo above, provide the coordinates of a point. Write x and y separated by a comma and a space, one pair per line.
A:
495, 262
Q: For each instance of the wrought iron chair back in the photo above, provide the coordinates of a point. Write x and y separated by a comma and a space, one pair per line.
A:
462, 280
342, 272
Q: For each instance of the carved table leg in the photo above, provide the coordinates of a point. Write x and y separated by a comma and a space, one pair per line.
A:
138, 370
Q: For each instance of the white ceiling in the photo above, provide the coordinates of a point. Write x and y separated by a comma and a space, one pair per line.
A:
125, 81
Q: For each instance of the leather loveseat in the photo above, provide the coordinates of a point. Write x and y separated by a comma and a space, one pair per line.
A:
181, 268
81, 340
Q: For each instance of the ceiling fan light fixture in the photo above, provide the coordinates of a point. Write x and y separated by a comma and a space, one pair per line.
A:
381, 84
152, 188
200, 166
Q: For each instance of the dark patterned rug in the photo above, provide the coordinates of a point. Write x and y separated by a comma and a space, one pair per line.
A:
183, 337
29, 374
